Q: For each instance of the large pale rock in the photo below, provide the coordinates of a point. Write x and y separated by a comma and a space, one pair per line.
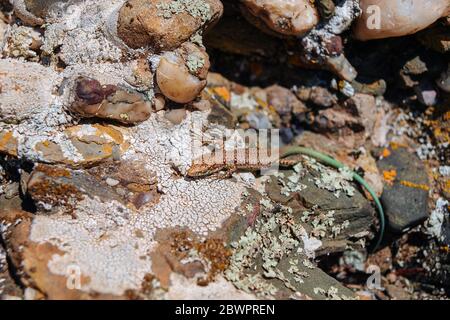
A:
394, 18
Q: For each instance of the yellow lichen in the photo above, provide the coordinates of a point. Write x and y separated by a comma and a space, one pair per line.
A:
389, 176
414, 185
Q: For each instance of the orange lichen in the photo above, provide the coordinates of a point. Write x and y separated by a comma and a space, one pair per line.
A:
8, 143
110, 131
389, 176
213, 251
396, 145
447, 186
414, 185
56, 194
386, 153
53, 171
446, 116
223, 93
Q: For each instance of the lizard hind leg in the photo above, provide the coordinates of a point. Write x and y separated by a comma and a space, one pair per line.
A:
226, 173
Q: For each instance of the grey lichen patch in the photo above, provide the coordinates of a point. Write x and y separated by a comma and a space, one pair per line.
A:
323, 223
292, 184
197, 38
82, 34
103, 241
196, 8
331, 180
259, 255
332, 294
194, 63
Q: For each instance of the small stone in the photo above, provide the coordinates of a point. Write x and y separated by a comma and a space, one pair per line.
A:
176, 116
322, 97
415, 67
284, 101
40, 8
159, 102
342, 67
179, 77
202, 105
112, 182
426, 94
109, 102
397, 293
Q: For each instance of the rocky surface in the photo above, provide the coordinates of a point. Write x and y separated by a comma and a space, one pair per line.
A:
405, 195
107, 107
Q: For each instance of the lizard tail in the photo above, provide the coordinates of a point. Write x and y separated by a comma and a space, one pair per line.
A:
323, 158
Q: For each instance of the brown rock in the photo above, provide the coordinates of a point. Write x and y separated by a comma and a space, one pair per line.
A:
181, 75
166, 24
31, 261
282, 99
285, 17
176, 116
109, 102
8, 143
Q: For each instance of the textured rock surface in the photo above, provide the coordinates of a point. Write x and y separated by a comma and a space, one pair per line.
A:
405, 196
397, 18
106, 107
285, 17
167, 24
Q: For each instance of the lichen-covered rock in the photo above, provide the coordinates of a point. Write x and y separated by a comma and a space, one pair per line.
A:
165, 24
272, 253
41, 8
393, 18
8, 143
324, 200
292, 18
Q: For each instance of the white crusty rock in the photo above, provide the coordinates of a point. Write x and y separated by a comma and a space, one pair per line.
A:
22, 82
394, 18
110, 243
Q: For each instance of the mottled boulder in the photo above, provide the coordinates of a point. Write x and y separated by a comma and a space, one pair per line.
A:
166, 24
331, 208
405, 196
272, 254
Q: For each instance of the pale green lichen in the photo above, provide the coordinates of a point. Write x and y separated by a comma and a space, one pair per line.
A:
331, 294
197, 39
196, 8
331, 180
194, 63
274, 237
292, 183
323, 223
